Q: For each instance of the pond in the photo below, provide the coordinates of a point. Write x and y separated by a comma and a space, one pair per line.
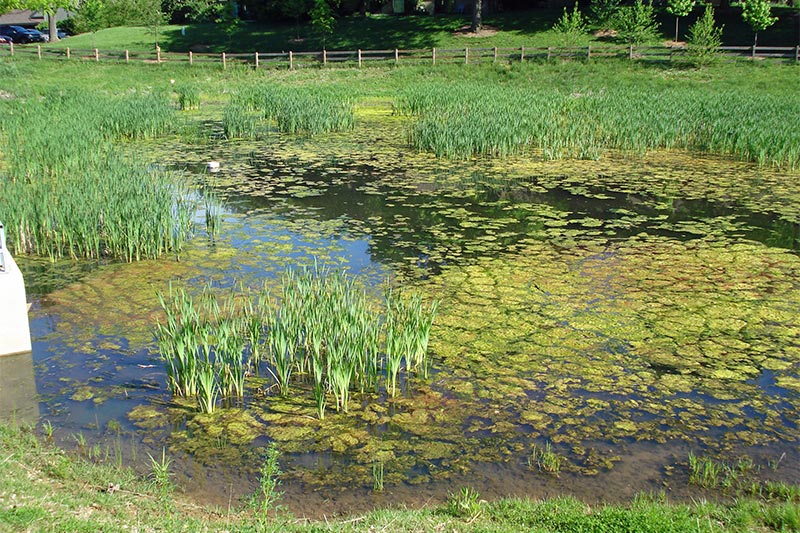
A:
625, 311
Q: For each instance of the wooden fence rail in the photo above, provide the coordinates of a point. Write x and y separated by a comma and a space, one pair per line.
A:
430, 56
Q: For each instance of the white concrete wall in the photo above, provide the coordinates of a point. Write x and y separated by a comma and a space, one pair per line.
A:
15, 333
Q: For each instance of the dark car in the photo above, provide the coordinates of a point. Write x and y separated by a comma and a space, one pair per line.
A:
20, 35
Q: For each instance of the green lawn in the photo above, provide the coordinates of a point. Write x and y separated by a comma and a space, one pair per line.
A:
513, 29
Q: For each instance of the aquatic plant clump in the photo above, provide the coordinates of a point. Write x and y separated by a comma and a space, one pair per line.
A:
474, 119
295, 110
72, 195
322, 331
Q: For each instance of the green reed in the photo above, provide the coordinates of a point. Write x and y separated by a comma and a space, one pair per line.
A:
476, 119
298, 109
188, 97
321, 330
69, 192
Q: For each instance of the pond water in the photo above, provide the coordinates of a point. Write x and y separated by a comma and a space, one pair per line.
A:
626, 311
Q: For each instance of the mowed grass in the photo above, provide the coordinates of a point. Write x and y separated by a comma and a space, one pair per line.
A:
43, 488
513, 29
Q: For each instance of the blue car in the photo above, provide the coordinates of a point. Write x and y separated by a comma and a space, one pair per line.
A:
20, 35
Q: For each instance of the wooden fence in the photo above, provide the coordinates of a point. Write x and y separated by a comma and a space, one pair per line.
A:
429, 56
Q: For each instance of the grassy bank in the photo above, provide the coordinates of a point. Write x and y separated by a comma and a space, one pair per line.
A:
43, 488
509, 29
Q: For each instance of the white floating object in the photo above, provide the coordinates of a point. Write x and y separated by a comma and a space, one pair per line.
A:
212, 166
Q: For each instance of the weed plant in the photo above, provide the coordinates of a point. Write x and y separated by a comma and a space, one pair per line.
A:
477, 119
67, 192
267, 494
321, 331
545, 460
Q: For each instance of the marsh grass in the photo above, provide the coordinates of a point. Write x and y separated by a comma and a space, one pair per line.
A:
308, 110
188, 97
321, 331
74, 195
480, 119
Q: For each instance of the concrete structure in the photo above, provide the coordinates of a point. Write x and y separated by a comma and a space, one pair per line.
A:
15, 333
18, 401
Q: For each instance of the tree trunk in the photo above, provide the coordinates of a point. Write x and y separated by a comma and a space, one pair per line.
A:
676, 30
755, 41
51, 27
477, 9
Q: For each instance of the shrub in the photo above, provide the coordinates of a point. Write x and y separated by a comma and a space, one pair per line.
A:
705, 38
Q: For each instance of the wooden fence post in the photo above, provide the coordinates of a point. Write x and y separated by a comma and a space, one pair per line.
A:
224, 61
494, 57
324, 57
191, 58
466, 55
97, 54
291, 61
158, 54
396, 56
548, 53
797, 53
630, 52
127, 56
256, 59
11, 47
754, 52
589, 52
39, 51
67, 52
434, 56
522, 54
359, 58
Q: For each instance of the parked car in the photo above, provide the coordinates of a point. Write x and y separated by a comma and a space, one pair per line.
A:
20, 35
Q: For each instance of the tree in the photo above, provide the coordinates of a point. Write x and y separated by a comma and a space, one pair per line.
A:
758, 15
571, 27
477, 16
604, 11
705, 38
322, 19
48, 7
91, 16
679, 8
637, 23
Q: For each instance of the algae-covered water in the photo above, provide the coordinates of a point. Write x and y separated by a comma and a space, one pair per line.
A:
626, 311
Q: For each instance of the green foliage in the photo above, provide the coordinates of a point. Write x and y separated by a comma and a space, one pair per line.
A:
159, 471
294, 9
465, 503
323, 326
758, 15
604, 11
483, 119
298, 110
571, 27
636, 24
322, 19
679, 8
90, 16
76, 196
705, 38
267, 495
188, 96
545, 460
